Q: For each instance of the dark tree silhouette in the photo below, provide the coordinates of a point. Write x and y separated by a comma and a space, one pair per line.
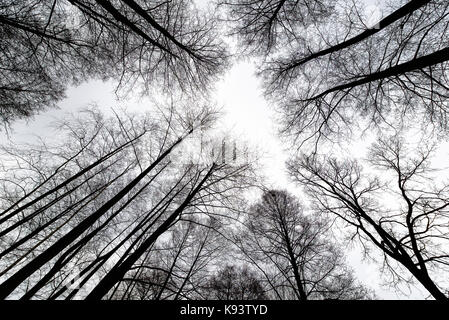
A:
266, 25
234, 283
410, 228
47, 45
176, 268
340, 73
101, 209
292, 252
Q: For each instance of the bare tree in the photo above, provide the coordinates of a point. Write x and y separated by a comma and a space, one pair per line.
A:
99, 202
340, 73
46, 46
265, 26
213, 185
292, 252
234, 283
176, 268
405, 218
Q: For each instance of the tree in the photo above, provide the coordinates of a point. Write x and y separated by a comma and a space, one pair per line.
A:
340, 73
291, 250
101, 209
267, 25
234, 283
405, 218
46, 46
175, 268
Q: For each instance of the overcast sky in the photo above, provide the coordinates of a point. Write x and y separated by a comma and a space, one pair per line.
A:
247, 113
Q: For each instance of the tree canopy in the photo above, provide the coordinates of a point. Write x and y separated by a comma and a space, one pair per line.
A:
159, 205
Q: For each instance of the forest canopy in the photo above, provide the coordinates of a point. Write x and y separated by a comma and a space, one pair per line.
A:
162, 203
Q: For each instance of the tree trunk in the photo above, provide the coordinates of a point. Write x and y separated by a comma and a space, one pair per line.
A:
385, 22
20, 276
415, 64
118, 272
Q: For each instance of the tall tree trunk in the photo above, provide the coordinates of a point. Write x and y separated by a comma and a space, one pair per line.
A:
118, 272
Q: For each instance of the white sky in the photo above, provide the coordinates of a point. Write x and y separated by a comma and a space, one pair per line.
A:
247, 113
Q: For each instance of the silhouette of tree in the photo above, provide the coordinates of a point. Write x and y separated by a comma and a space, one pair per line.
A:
234, 283
405, 217
267, 25
292, 252
99, 202
175, 268
339, 73
48, 45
